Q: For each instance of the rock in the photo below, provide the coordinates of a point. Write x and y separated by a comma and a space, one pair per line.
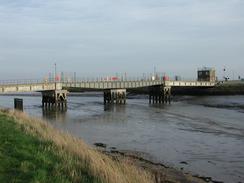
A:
115, 151
98, 144
184, 162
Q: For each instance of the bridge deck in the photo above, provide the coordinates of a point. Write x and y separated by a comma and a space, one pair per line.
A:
98, 85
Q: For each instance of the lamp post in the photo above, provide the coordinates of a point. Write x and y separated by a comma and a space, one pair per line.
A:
224, 73
55, 75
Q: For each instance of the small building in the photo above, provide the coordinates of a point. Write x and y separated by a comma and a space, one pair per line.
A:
206, 74
177, 78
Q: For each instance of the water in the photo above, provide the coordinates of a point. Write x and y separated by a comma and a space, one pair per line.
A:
205, 132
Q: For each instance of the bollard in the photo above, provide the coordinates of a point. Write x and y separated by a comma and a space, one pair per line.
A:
18, 104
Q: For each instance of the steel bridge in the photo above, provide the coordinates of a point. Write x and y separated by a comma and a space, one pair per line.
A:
55, 93
39, 86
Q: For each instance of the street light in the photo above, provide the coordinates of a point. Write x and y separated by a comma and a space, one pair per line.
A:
55, 75
224, 73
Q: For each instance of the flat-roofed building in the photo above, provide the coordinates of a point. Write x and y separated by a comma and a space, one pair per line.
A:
206, 74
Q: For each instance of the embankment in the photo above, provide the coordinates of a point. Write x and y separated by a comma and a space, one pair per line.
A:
31, 150
227, 88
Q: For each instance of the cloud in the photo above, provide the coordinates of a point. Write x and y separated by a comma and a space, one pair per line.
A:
114, 36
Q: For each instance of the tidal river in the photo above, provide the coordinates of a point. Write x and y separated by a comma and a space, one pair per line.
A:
202, 135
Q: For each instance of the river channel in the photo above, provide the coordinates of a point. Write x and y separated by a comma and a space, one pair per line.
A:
202, 135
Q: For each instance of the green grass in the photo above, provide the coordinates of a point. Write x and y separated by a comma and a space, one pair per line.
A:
31, 150
25, 158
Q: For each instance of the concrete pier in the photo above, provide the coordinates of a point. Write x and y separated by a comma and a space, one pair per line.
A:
159, 94
54, 99
115, 96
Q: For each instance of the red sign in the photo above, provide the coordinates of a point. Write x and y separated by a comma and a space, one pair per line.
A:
57, 78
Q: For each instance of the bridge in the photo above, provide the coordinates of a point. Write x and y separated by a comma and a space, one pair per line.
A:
39, 85
55, 93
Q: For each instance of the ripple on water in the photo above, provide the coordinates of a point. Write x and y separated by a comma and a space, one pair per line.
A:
205, 132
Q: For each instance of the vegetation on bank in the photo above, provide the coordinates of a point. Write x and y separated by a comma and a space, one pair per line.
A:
33, 151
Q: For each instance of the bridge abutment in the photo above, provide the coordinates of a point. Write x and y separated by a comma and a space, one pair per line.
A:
115, 96
54, 99
159, 94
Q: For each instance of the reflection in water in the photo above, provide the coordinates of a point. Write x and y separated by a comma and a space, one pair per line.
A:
54, 114
160, 106
114, 108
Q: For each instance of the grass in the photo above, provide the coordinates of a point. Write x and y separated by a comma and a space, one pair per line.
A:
25, 158
33, 151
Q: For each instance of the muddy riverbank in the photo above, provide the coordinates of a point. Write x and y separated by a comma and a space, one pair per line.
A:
162, 173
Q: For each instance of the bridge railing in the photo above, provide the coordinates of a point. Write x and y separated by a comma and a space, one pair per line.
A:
109, 79
97, 80
23, 82
133, 79
77, 80
82, 80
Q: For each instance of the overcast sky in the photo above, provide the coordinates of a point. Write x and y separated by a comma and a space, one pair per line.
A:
104, 37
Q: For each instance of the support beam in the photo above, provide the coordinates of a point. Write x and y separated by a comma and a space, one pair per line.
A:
54, 99
115, 96
159, 94
167, 94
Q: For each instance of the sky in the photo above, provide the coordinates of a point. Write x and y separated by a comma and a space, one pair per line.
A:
106, 37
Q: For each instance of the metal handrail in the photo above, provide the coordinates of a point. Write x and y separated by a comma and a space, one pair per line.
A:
23, 82
82, 80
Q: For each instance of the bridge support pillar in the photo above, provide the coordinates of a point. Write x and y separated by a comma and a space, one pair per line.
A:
115, 96
54, 99
159, 94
